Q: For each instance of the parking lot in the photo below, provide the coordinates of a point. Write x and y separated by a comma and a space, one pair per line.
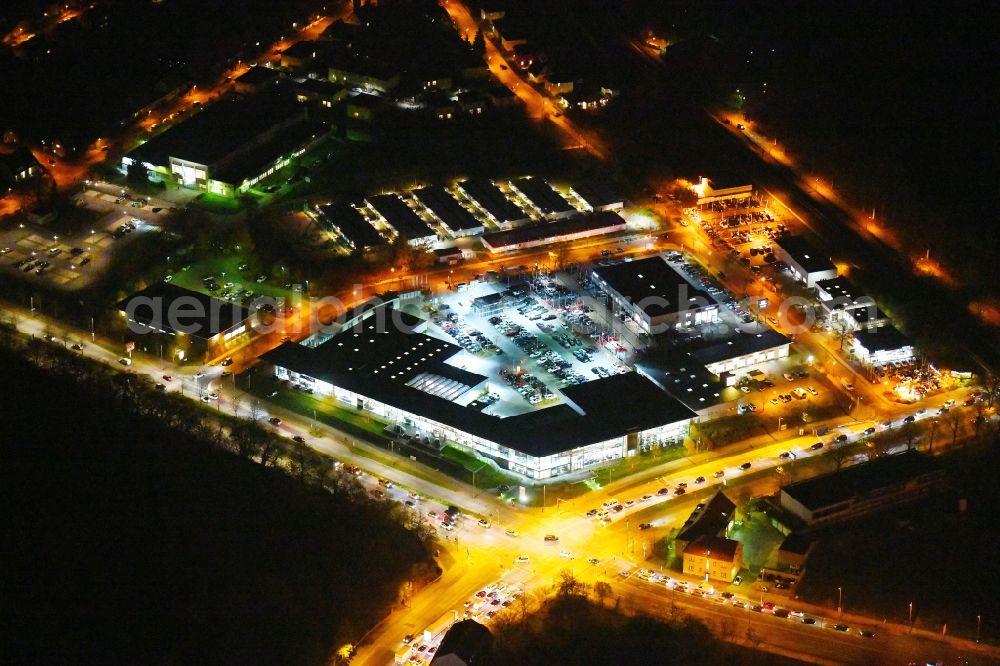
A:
537, 338
747, 231
70, 262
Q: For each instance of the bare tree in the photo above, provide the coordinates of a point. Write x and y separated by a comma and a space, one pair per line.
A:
568, 585
908, 433
839, 454
842, 330
602, 590
992, 384
954, 423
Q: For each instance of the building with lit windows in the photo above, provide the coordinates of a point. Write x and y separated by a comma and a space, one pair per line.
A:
732, 358
17, 165
383, 364
863, 489
713, 558
806, 263
232, 144
708, 195
654, 295
880, 345
184, 325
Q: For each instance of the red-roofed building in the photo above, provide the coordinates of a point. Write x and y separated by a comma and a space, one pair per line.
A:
714, 558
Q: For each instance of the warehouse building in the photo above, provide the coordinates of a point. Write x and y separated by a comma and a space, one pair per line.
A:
402, 219
546, 233
456, 220
654, 295
231, 145
806, 263
542, 198
345, 220
863, 489
384, 365
493, 203
731, 358
186, 325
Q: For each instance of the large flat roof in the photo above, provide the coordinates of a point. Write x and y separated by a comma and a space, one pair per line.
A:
840, 287
352, 224
255, 160
805, 254
449, 211
492, 200
686, 379
883, 338
598, 193
554, 230
196, 314
378, 361
860, 480
220, 129
259, 75
653, 285
400, 217
542, 195
741, 345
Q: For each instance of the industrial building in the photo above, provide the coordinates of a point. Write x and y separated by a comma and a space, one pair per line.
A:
493, 203
402, 219
361, 72
231, 145
880, 484
383, 364
598, 195
187, 325
542, 198
453, 217
256, 79
806, 263
351, 225
654, 295
546, 233
729, 359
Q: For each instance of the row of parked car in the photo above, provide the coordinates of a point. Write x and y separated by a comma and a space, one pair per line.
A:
470, 339
530, 387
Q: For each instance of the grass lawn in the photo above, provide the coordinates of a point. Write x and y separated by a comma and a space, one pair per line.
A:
214, 203
564, 490
369, 429
760, 541
487, 476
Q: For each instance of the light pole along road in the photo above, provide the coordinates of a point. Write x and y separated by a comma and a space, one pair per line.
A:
482, 555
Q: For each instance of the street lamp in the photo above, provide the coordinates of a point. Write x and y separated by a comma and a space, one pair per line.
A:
840, 601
